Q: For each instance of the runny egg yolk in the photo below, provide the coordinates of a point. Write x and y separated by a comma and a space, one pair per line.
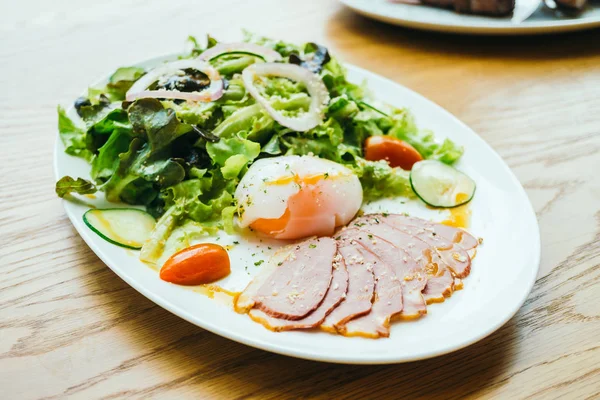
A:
271, 226
304, 204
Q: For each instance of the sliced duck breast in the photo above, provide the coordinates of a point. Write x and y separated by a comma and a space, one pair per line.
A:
456, 235
453, 255
361, 286
298, 284
446, 252
439, 287
335, 295
247, 298
387, 300
398, 250
379, 267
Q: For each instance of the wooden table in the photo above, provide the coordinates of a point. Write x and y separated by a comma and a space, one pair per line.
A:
69, 327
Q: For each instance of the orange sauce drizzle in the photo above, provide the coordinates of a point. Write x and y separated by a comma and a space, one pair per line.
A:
460, 217
217, 293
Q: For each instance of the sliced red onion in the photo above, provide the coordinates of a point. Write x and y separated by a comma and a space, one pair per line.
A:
267, 54
213, 92
314, 85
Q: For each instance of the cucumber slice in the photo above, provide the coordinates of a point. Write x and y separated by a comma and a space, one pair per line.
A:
238, 53
126, 227
440, 185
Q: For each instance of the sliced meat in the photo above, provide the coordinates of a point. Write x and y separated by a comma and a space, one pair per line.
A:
247, 299
387, 302
573, 4
439, 3
456, 235
481, 7
439, 287
442, 266
335, 295
458, 284
458, 260
452, 255
361, 284
405, 255
447, 253
485, 7
300, 283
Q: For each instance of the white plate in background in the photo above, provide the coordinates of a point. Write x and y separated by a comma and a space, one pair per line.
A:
442, 20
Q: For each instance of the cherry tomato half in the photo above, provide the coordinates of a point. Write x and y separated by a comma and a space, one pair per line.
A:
396, 152
195, 265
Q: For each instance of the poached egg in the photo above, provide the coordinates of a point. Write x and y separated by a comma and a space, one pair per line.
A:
292, 197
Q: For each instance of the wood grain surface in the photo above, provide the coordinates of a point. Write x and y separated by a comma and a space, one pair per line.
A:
70, 328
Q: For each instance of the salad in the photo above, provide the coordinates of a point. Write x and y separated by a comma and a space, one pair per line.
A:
178, 138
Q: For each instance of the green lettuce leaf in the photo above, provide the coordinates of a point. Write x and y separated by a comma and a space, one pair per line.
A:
67, 185
283, 48
72, 136
232, 155
162, 172
272, 147
89, 111
125, 172
160, 126
342, 108
195, 207
334, 78
116, 88
121, 81
106, 162
103, 125
138, 174
197, 48
327, 140
201, 114
200, 199
379, 180
251, 120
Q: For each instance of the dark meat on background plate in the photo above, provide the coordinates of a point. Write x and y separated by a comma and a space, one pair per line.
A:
572, 4
482, 7
485, 7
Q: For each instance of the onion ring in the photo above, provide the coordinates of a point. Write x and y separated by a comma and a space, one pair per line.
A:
213, 92
314, 85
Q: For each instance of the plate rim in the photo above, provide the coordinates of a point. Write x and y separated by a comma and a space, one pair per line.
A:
471, 28
262, 344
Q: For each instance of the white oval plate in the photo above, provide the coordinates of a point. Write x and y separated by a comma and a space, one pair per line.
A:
502, 275
437, 19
